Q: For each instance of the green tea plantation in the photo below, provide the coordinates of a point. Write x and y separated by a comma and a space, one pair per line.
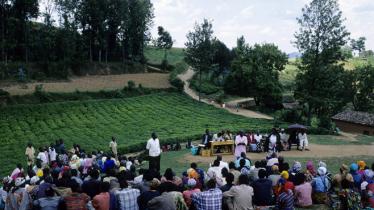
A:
175, 117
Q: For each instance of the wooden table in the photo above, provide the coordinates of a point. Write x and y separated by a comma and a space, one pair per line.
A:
227, 147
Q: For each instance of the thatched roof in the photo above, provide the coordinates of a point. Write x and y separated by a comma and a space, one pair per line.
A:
362, 118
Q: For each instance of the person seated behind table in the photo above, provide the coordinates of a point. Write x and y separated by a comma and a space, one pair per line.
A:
207, 137
227, 135
262, 190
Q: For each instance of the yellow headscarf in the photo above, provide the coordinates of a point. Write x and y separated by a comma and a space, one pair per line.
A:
285, 175
361, 164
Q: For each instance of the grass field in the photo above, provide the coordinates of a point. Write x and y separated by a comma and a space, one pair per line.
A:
155, 56
91, 123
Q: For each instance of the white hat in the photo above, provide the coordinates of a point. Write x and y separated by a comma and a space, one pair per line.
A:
34, 180
322, 171
19, 181
191, 182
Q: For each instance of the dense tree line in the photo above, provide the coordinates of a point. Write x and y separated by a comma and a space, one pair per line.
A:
83, 31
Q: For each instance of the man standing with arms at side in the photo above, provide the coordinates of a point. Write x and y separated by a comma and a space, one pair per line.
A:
153, 146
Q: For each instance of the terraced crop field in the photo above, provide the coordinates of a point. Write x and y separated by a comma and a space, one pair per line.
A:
175, 117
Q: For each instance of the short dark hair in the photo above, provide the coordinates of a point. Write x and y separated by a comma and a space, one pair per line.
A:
74, 172
104, 186
219, 157
49, 192
193, 165
232, 165
216, 163
123, 183
242, 162
257, 164
230, 178
243, 179
243, 155
74, 186
211, 184
262, 173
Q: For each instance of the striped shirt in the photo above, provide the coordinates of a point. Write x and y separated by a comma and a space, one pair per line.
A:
208, 200
127, 199
286, 201
76, 201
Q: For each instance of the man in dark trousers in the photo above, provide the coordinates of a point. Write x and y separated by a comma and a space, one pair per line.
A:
153, 146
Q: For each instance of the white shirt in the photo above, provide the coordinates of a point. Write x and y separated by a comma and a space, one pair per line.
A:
302, 137
272, 161
283, 137
273, 139
223, 164
154, 147
258, 138
52, 154
42, 157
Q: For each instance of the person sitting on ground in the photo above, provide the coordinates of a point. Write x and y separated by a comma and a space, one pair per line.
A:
234, 171
240, 196
17, 171
229, 183
303, 193
310, 172
102, 200
169, 179
48, 203
243, 168
165, 201
253, 173
75, 200
127, 198
286, 199
243, 156
222, 164
148, 195
296, 169
349, 197
367, 187
200, 172
273, 160
274, 176
321, 186
361, 167
357, 178
262, 190
214, 172
92, 186
191, 189
18, 197
209, 199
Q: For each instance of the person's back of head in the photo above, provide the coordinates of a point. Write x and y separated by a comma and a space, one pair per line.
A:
123, 183
232, 165
104, 187
230, 178
94, 173
242, 162
49, 192
75, 188
154, 135
169, 174
262, 173
219, 157
211, 184
224, 172
243, 179
263, 163
257, 164
74, 172
243, 155
216, 163
193, 165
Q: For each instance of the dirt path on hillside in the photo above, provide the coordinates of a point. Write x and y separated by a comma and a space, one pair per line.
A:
317, 151
93, 83
231, 104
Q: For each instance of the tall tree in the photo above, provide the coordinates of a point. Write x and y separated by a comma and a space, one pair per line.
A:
255, 72
222, 58
363, 88
320, 37
165, 42
198, 52
358, 44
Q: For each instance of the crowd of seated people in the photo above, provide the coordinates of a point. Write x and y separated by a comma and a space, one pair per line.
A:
74, 180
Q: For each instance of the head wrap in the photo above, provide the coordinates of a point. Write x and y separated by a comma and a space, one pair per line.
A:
344, 168
39, 173
275, 168
285, 175
192, 173
288, 186
154, 183
191, 182
34, 180
349, 177
361, 164
322, 171
296, 166
368, 174
353, 167
19, 181
322, 164
310, 167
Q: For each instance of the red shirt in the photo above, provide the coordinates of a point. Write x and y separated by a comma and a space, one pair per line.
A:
76, 201
101, 201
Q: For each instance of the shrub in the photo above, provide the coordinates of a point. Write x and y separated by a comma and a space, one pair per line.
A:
291, 116
131, 85
4, 93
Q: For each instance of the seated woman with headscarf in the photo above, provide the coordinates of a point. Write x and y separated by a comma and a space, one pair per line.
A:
321, 185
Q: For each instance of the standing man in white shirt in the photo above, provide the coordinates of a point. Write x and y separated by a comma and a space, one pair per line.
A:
153, 146
113, 146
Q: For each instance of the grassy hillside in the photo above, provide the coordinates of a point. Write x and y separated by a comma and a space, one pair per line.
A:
155, 56
91, 123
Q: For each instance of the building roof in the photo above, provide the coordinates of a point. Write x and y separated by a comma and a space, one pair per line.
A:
362, 118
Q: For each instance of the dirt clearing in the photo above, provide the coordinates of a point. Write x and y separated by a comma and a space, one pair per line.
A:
93, 83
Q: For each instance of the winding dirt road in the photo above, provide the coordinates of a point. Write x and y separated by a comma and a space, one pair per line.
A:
231, 104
